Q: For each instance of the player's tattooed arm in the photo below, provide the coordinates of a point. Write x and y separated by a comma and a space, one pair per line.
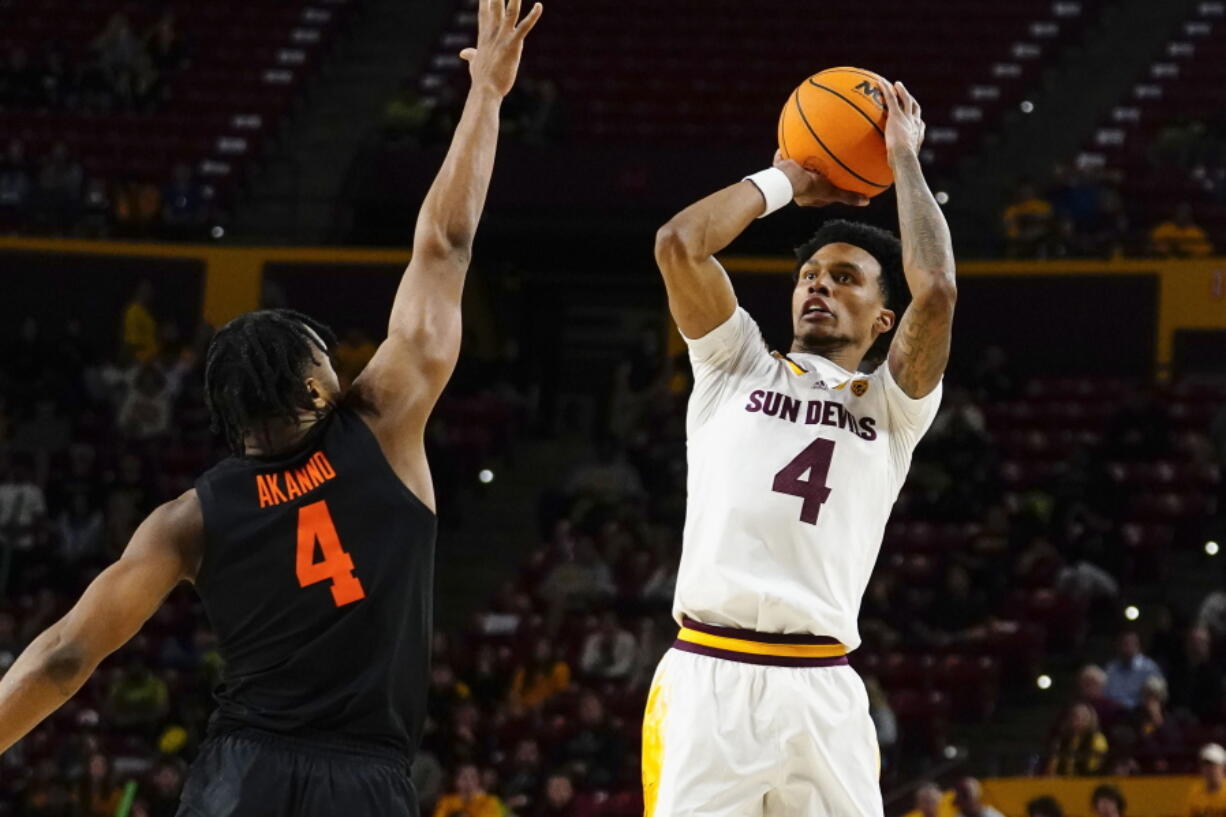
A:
920, 349
164, 551
700, 296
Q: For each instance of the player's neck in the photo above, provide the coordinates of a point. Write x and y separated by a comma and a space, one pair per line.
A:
279, 436
836, 350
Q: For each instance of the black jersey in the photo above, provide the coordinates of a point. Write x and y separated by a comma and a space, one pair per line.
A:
317, 577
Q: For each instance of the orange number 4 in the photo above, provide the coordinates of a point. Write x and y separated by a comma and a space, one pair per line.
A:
315, 525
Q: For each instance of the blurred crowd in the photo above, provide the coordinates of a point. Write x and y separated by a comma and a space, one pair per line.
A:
1081, 213
45, 188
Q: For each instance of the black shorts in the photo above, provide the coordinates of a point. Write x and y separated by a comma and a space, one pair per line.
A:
250, 773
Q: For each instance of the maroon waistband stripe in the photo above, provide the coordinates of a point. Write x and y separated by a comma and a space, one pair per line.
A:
762, 638
761, 660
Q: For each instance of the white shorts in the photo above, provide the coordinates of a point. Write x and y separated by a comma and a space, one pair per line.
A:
723, 738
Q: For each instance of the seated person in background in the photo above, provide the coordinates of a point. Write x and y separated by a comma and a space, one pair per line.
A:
967, 797
1106, 801
1129, 670
1045, 806
1028, 224
1180, 237
930, 802
536, 681
608, 652
468, 799
1158, 734
1079, 748
1091, 686
1208, 795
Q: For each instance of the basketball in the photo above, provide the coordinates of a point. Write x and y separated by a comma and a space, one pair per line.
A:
834, 123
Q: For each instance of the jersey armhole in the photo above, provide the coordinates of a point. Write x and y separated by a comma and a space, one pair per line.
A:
351, 412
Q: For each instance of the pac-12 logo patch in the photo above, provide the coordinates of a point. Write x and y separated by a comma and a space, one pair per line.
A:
859, 387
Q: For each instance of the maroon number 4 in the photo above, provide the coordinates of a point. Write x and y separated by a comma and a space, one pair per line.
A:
815, 461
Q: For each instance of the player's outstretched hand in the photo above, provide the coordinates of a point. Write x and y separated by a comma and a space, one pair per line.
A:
494, 62
904, 125
812, 189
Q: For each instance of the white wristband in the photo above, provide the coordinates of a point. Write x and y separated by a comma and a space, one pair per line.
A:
775, 187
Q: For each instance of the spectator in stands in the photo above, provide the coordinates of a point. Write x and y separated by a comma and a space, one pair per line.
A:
928, 799
594, 752
137, 206
1105, 234
968, 794
16, 186
166, 783
1129, 670
609, 651
1079, 747
98, 793
1028, 224
559, 799
885, 722
1212, 615
123, 63
140, 330
1208, 795
524, 776
145, 407
138, 699
56, 81
58, 198
1158, 734
1196, 679
81, 531
23, 505
538, 680
579, 579
1045, 806
184, 210
1107, 801
469, 799
1180, 236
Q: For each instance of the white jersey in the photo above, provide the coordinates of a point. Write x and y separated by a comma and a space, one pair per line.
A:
794, 464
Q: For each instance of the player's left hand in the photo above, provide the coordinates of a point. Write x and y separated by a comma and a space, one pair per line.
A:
500, 43
904, 126
812, 189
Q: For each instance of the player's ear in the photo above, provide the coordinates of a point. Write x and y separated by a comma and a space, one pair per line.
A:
317, 393
884, 322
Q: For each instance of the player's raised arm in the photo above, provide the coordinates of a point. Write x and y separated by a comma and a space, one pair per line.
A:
410, 369
920, 348
700, 295
164, 550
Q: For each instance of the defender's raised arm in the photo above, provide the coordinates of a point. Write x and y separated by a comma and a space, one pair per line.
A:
700, 295
408, 372
920, 348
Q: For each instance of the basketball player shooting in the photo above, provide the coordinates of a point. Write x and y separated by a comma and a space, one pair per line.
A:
312, 547
794, 463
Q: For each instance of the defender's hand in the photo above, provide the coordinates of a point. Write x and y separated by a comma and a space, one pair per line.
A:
811, 189
904, 126
500, 43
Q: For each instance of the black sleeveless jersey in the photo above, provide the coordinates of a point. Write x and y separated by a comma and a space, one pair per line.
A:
317, 577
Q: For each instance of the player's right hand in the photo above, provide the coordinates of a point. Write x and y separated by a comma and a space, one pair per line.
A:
494, 62
812, 189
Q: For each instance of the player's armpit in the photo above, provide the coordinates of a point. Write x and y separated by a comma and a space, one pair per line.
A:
920, 349
165, 549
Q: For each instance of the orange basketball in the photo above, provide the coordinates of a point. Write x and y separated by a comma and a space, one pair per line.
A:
834, 123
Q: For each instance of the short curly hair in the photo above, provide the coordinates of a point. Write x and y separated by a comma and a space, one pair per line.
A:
882, 245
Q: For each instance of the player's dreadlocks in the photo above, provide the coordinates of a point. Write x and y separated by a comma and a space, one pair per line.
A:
880, 244
253, 371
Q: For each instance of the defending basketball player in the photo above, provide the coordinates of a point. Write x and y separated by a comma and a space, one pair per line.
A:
312, 546
794, 463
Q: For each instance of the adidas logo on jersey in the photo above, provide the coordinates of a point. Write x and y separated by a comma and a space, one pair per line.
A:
821, 384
